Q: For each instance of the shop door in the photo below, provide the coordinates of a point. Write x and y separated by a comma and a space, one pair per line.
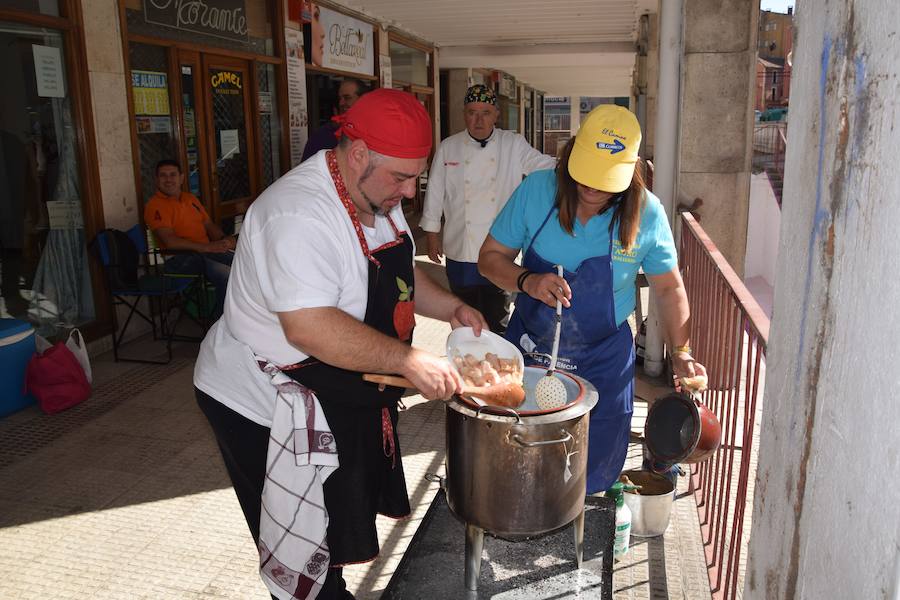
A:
230, 143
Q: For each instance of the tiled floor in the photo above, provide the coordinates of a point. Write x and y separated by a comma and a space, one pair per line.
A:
125, 497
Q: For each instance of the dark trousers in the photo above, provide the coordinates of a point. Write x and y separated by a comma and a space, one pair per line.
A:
215, 266
244, 444
489, 299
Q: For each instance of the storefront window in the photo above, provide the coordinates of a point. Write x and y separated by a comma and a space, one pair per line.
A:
269, 124
44, 7
227, 87
43, 258
409, 65
529, 117
189, 119
152, 112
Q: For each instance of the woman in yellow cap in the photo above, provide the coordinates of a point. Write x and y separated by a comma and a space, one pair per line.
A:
594, 216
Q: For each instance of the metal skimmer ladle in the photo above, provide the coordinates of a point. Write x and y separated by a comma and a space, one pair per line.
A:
550, 392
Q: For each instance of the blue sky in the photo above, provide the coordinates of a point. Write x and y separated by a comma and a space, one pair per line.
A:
776, 5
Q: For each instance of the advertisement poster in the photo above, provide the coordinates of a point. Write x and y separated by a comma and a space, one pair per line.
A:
296, 79
151, 92
337, 41
48, 71
153, 124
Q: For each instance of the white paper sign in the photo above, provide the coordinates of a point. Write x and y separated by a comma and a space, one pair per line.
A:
48, 72
387, 79
229, 142
348, 43
64, 214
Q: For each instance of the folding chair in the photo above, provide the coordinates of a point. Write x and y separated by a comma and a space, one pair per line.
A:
197, 294
131, 279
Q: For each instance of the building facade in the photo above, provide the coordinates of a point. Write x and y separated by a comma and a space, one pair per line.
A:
98, 91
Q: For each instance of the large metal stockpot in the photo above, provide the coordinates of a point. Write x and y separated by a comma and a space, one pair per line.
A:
517, 474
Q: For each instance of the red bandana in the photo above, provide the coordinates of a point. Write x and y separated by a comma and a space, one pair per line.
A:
390, 122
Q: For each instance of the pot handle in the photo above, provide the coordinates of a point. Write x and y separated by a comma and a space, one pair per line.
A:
518, 439
500, 408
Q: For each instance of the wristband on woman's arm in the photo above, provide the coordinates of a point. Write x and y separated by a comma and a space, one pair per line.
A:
520, 282
682, 349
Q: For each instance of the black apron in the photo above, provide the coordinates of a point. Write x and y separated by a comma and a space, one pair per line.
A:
370, 479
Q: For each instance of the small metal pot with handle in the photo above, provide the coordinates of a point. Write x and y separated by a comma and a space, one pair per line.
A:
680, 428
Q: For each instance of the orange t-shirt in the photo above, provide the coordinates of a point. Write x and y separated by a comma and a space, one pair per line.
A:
184, 214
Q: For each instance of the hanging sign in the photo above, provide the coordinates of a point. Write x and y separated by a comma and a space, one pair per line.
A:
151, 92
386, 71
219, 18
338, 41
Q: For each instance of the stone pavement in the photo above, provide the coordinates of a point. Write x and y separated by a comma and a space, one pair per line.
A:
126, 497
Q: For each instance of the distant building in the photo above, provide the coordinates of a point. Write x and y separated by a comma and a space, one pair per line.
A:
773, 69
776, 32
772, 84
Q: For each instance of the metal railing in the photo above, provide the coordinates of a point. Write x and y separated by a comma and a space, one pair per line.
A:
769, 145
729, 332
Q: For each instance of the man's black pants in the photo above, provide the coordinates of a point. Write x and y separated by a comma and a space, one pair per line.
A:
244, 445
489, 299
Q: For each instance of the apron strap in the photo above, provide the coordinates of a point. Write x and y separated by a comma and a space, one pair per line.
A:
344, 195
538, 232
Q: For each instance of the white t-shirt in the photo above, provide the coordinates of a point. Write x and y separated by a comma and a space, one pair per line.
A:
297, 249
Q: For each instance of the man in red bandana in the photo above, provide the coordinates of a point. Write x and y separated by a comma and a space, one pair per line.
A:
323, 289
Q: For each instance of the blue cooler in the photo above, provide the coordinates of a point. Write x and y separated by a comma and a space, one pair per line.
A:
16, 349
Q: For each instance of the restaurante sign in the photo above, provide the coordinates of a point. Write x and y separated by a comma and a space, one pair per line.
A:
221, 18
349, 44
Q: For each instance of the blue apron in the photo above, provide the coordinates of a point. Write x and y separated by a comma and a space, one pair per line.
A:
592, 346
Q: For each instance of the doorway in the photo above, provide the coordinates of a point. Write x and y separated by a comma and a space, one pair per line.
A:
219, 119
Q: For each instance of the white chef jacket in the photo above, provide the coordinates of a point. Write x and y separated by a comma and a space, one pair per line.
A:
469, 185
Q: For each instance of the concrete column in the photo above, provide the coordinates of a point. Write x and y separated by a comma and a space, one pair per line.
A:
651, 62
109, 99
826, 510
457, 84
574, 114
717, 118
666, 160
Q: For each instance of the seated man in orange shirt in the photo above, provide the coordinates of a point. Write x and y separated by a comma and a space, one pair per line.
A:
179, 222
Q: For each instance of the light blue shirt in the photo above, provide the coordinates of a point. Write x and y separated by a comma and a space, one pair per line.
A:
653, 250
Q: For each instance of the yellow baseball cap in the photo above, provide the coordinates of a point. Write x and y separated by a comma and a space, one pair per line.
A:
606, 149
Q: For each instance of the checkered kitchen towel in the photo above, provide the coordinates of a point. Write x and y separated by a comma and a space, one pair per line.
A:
293, 551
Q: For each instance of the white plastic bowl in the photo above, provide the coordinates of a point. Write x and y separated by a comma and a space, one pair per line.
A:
463, 341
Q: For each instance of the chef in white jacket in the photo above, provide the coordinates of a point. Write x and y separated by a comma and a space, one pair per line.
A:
473, 174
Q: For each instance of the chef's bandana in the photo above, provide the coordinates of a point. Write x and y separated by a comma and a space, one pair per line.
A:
480, 93
390, 122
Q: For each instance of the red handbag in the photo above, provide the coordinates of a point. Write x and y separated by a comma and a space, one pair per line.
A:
56, 379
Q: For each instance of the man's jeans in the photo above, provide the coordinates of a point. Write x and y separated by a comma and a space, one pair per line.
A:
214, 266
